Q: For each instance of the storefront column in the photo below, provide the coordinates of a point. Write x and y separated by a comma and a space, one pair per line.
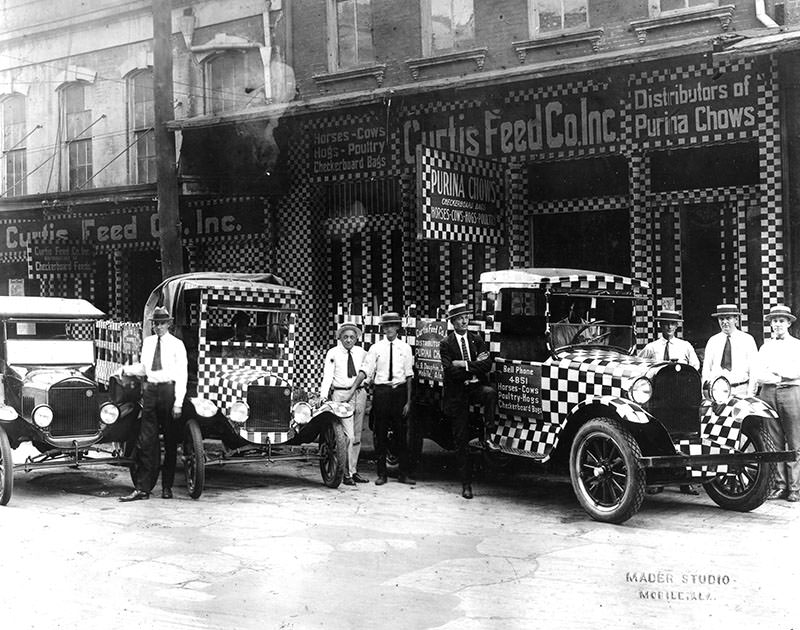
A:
789, 73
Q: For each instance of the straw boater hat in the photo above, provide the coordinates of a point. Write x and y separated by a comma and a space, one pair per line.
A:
458, 309
391, 318
780, 310
160, 314
726, 310
665, 315
348, 326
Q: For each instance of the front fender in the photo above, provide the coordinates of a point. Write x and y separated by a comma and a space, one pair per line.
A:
8, 413
623, 408
721, 425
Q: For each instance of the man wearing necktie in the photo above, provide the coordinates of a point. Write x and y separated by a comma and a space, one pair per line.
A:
731, 352
389, 364
668, 347
342, 363
466, 363
164, 366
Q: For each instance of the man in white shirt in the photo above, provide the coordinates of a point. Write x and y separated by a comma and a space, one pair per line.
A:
731, 352
163, 364
339, 374
668, 347
389, 364
777, 373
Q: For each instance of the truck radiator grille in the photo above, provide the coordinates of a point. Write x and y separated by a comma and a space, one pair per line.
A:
75, 410
676, 399
269, 408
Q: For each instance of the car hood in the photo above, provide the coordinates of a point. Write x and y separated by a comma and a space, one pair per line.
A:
44, 378
239, 379
597, 360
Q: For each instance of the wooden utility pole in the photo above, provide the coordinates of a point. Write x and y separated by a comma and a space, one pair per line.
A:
167, 178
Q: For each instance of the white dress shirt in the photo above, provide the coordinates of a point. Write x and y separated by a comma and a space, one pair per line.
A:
376, 363
743, 355
778, 361
334, 372
680, 350
173, 364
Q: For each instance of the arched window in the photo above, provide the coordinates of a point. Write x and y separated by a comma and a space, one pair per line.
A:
14, 135
234, 81
141, 120
77, 120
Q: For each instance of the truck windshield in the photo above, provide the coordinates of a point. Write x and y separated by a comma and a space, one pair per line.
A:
36, 342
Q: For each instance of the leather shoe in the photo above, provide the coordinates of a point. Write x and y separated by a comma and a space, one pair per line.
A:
491, 446
689, 490
778, 493
348, 481
380, 481
793, 497
166, 493
410, 481
466, 491
654, 490
359, 479
136, 495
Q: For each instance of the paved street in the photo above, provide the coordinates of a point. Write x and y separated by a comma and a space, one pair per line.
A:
276, 549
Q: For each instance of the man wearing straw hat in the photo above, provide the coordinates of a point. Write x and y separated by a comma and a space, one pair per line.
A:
339, 374
466, 364
777, 372
163, 364
731, 352
668, 347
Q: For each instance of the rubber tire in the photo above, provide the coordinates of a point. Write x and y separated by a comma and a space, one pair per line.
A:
599, 432
194, 461
757, 436
332, 454
6, 469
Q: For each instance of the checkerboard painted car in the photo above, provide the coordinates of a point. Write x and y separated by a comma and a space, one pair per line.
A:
572, 393
239, 332
49, 396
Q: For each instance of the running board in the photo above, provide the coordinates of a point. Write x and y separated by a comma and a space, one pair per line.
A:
680, 461
506, 450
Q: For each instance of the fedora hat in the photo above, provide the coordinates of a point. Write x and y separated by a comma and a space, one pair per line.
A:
391, 318
348, 326
666, 315
780, 310
726, 310
160, 314
458, 309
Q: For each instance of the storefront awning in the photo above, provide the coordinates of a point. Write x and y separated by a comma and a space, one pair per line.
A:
775, 42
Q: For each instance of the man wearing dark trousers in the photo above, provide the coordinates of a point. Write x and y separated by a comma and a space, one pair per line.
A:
163, 364
466, 363
389, 364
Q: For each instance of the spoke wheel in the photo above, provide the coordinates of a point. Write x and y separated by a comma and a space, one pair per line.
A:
606, 475
333, 454
745, 486
6, 469
194, 462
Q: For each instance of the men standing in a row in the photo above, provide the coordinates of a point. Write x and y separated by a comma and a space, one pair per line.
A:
340, 371
465, 364
730, 353
389, 364
163, 363
777, 372
668, 347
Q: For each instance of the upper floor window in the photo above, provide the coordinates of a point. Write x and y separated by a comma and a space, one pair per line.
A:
350, 34
78, 137
447, 25
14, 135
554, 16
657, 7
141, 118
234, 81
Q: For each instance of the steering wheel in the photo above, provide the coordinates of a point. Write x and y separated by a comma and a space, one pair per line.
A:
597, 322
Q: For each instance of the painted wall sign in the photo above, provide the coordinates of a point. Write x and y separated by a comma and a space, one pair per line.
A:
459, 197
60, 258
427, 360
357, 144
519, 389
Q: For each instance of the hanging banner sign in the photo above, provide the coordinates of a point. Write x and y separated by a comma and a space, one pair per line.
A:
460, 198
353, 144
427, 359
60, 258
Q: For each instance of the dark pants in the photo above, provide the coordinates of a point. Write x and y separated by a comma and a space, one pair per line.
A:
157, 403
457, 400
785, 432
387, 413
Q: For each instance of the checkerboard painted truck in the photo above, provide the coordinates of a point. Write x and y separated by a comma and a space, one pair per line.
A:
239, 406
571, 392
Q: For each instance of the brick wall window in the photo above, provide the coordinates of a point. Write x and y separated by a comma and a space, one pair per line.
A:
78, 135
141, 117
553, 16
13, 121
658, 7
447, 25
234, 81
350, 34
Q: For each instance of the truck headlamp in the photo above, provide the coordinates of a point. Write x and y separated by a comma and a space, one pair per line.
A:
720, 390
641, 390
301, 413
42, 416
109, 413
239, 412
